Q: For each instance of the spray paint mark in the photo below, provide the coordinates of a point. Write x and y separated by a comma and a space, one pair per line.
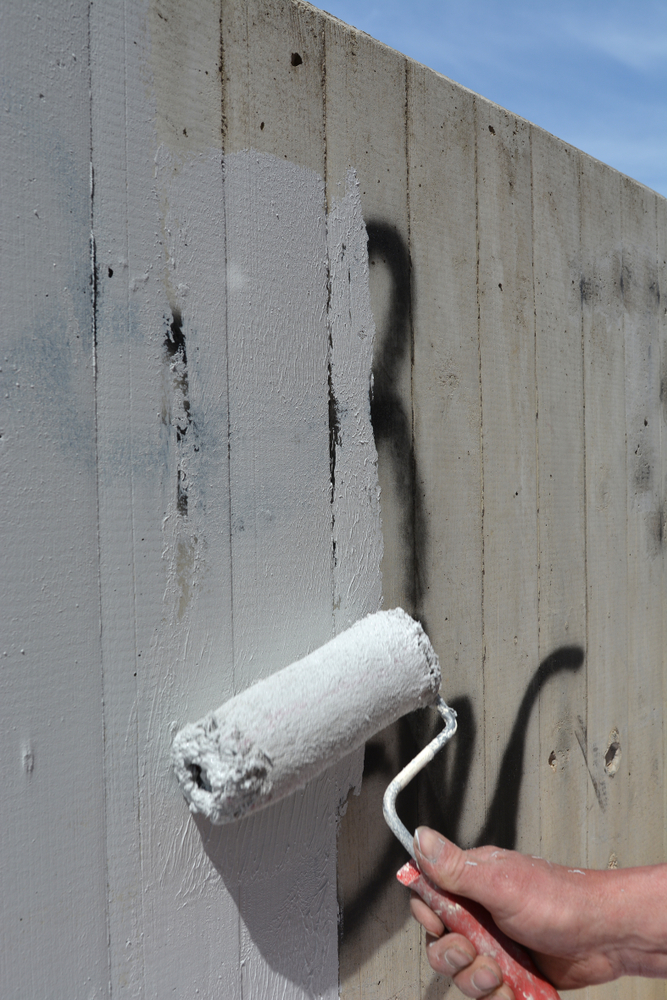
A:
392, 424
180, 415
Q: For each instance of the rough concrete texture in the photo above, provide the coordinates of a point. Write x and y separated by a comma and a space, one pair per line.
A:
192, 462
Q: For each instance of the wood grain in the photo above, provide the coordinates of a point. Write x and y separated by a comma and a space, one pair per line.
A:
51, 743
446, 391
379, 954
606, 521
509, 443
645, 512
561, 510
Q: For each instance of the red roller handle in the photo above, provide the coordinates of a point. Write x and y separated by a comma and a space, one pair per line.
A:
463, 916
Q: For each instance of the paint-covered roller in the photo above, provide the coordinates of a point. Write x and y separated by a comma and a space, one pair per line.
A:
278, 734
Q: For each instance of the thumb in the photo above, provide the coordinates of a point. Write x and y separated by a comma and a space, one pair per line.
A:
444, 862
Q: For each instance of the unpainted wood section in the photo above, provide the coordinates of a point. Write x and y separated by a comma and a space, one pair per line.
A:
645, 512
661, 226
446, 394
185, 75
606, 521
272, 55
510, 535
365, 131
51, 746
561, 505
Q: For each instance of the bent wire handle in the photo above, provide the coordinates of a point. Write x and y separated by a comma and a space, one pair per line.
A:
463, 916
414, 767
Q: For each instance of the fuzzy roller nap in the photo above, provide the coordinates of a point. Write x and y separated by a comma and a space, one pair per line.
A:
278, 734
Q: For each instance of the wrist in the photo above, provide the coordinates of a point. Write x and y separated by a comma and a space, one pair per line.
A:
633, 911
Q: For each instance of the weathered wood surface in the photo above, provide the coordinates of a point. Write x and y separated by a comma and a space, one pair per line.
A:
170, 442
448, 447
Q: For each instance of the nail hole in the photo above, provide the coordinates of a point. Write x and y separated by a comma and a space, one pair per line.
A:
296, 59
612, 757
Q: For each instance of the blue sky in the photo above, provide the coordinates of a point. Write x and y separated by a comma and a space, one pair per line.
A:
594, 73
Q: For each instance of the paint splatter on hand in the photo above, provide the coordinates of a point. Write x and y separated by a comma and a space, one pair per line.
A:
582, 927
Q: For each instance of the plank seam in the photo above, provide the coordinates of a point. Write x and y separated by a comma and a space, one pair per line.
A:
585, 469
537, 459
415, 585
94, 308
223, 127
481, 429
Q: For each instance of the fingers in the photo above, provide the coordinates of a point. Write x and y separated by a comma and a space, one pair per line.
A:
475, 975
441, 860
424, 915
453, 955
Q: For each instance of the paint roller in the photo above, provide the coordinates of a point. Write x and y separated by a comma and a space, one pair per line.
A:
283, 731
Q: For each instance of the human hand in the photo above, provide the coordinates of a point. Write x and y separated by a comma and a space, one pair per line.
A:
582, 927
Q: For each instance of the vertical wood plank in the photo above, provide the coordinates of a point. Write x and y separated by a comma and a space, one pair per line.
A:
363, 73
510, 539
562, 536
606, 520
127, 314
645, 512
280, 475
281, 538
380, 944
164, 500
119, 360
661, 216
51, 745
446, 394
190, 665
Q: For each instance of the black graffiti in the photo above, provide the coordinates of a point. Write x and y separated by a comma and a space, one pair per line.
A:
392, 426
436, 797
180, 413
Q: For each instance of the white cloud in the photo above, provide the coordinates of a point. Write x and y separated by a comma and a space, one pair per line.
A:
641, 46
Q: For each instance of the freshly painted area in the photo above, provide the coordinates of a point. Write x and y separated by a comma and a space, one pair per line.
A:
52, 874
357, 533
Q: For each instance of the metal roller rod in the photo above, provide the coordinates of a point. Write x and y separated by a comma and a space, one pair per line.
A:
405, 776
